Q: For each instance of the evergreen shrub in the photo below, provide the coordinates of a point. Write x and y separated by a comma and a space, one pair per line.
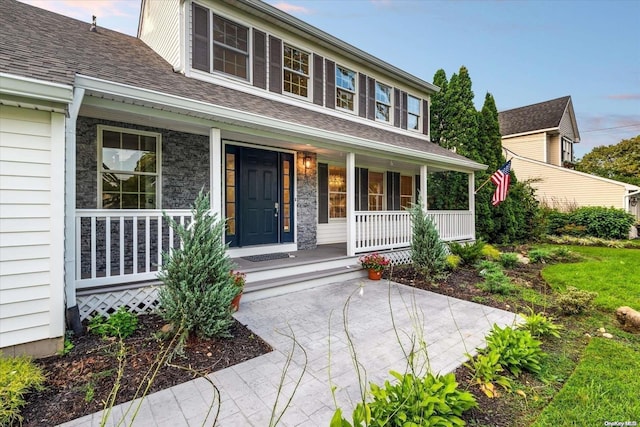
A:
18, 376
428, 252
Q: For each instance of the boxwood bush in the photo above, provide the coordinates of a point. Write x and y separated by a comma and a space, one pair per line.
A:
594, 221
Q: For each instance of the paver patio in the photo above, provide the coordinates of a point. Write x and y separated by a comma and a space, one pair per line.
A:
449, 327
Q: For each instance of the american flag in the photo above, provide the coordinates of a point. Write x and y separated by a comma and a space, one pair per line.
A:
501, 179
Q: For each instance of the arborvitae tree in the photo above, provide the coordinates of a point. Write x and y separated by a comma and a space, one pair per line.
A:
428, 252
198, 287
438, 121
462, 129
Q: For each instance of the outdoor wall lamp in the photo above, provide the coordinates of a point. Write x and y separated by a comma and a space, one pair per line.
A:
308, 161
633, 200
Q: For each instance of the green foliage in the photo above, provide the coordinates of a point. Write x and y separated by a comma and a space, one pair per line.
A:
198, 288
18, 376
539, 255
620, 162
469, 253
453, 261
487, 372
593, 221
120, 324
575, 301
490, 252
593, 241
428, 252
432, 400
540, 325
68, 345
509, 259
517, 349
495, 281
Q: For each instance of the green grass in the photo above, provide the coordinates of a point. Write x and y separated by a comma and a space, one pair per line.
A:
613, 273
604, 387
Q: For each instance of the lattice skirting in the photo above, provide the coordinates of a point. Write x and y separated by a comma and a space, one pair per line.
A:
399, 257
138, 300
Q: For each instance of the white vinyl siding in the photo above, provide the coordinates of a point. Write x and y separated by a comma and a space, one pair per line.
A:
333, 232
31, 225
161, 29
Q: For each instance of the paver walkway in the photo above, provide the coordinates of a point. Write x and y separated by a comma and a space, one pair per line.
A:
449, 327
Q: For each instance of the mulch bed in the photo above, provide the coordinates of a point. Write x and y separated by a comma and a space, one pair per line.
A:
80, 381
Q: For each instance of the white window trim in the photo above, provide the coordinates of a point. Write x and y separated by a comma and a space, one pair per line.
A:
420, 117
355, 92
309, 77
375, 103
100, 129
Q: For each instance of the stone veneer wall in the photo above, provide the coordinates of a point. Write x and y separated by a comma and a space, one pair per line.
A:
307, 206
185, 164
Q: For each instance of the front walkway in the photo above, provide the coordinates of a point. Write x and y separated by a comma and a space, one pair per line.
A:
448, 326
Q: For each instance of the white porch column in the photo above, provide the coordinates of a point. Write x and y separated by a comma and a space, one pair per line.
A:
472, 202
215, 171
70, 199
423, 186
351, 205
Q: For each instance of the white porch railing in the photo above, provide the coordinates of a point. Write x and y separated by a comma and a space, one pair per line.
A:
122, 246
379, 230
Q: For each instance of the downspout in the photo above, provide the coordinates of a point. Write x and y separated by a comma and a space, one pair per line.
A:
72, 312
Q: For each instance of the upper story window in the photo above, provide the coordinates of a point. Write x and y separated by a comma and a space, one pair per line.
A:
228, 45
296, 71
383, 102
345, 88
129, 168
567, 150
413, 113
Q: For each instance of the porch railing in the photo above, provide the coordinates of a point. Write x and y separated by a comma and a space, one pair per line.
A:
379, 230
117, 246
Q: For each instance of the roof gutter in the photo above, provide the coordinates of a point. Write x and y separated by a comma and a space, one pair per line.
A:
183, 105
41, 90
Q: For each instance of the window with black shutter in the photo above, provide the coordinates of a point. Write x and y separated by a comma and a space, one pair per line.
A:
200, 42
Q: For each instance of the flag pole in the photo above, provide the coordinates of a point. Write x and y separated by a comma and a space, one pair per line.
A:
488, 179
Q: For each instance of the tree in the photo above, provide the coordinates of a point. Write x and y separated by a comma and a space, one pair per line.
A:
620, 162
428, 252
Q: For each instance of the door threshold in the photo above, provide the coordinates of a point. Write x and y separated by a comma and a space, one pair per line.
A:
261, 249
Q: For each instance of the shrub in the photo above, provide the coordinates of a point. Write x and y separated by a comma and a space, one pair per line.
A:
453, 261
469, 253
575, 301
606, 223
495, 281
432, 400
120, 324
428, 252
487, 372
539, 255
509, 259
573, 230
490, 252
18, 376
516, 348
540, 325
556, 220
198, 289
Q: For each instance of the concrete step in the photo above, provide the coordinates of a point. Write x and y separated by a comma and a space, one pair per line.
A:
277, 271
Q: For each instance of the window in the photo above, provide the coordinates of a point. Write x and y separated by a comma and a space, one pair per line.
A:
376, 191
413, 113
383, 102
345, 88
567, 150
129, 168
296, 71
337, 192
406, 191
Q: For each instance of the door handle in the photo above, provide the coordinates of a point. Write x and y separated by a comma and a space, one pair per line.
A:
276, 209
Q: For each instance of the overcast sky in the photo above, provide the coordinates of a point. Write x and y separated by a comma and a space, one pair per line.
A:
523, 52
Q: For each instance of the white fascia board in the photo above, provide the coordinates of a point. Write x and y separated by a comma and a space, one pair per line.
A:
628, 187
217, 112
531, 132
26, 87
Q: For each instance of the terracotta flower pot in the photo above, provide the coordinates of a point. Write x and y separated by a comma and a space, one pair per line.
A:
374, 274
235, 303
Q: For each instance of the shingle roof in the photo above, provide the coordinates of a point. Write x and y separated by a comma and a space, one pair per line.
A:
543, 115
44, 45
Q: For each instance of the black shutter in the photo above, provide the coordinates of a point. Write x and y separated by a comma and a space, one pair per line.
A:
323, 193
403, 111
425, 117
362, 95
393, 191
330, 86
396, 107
371, 99
362, 189
200, 45
259, 59
318, 79
275, 64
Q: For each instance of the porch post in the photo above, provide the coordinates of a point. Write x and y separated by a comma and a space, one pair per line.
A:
423, 186
351, 216
72, 312
472, 203
215, 172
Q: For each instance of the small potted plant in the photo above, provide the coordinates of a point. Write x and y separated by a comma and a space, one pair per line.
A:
375, 264
239, 280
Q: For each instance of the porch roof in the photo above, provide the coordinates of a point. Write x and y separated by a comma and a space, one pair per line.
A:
47, 46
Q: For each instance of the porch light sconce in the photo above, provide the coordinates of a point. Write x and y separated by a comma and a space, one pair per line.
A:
307, 162
633, 200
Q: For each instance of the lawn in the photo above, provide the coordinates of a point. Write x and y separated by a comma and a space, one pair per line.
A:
613, 273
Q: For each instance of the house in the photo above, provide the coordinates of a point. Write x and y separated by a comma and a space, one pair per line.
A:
539, 139
302, 140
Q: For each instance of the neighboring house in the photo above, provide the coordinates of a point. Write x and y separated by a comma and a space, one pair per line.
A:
539, 138
302, 140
